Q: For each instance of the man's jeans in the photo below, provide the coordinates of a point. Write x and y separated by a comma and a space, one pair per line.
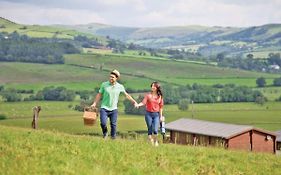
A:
112, 115
152, 122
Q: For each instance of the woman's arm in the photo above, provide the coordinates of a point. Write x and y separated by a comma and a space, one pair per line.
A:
161, 114
140, 104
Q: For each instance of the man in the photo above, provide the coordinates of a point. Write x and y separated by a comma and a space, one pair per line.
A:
109, 92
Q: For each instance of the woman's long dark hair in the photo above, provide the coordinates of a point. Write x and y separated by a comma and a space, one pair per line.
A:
158, 88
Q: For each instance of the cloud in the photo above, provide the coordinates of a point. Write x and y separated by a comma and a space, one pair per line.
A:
216, 13
144, 13
29, 14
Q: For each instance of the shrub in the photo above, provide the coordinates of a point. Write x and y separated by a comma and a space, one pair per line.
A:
278, 99
260, 100
2, 117
130, 109
183, 104
261, 82
11, 95
277, 82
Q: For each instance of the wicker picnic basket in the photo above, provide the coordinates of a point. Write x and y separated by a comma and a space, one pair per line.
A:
90, 116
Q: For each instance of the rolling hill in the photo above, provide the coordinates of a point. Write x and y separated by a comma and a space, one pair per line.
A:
207, 41
202, 39
41, 31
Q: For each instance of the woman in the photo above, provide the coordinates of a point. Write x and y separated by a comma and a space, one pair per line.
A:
154, 109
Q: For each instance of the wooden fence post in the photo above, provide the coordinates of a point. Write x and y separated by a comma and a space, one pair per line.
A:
36, 111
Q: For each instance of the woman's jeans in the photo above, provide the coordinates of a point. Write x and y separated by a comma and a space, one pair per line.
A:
152, 122
112, 115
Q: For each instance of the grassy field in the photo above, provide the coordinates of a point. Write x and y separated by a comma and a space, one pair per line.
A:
137, 71
182, 72
26, 151
37, 76
152, 67
59, 116
271, 93
262, 54
82, 72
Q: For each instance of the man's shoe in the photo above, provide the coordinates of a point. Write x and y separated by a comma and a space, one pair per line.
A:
105, 135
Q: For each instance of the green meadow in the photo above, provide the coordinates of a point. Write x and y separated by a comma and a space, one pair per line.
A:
25, 151
61, 117
182, 72
272, 93
87, 71
263, 54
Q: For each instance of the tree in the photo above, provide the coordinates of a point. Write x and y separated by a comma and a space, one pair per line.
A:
260, 82
171, 94
11, 95
183, 104
278, 99
274, 58
250, 56
59, 93
130, 109
260, 100
277, 82
220, 57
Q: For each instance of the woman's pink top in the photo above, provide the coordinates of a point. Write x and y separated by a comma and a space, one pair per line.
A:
153, 104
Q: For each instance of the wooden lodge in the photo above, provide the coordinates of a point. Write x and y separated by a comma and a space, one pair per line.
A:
278, 140
229, 136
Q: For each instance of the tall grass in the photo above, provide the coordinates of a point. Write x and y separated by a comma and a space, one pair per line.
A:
25, 151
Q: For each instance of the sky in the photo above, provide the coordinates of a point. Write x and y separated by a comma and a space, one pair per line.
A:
143, 13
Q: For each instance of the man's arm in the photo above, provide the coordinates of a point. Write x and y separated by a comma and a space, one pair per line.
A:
129, 97
97, 99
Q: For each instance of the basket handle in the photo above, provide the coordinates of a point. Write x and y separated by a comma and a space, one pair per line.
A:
90, 108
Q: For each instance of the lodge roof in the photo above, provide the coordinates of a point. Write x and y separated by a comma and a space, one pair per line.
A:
278, 138
208, 128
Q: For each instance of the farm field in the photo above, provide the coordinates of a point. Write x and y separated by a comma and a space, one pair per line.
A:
60, 117
149, 67
86, 71
263, 54
38, 76
182, 72
271, 93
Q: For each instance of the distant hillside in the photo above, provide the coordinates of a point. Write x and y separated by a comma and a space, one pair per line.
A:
41, 31
202, 40
205, 40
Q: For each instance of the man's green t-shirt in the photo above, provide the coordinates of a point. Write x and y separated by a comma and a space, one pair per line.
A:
110, 94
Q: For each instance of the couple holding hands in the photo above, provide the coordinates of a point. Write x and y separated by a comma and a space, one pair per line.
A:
109, 93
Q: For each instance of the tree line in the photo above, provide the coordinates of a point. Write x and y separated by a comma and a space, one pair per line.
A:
182, 95
261, 82
15, 47
48, 93
196, 93
250, 63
